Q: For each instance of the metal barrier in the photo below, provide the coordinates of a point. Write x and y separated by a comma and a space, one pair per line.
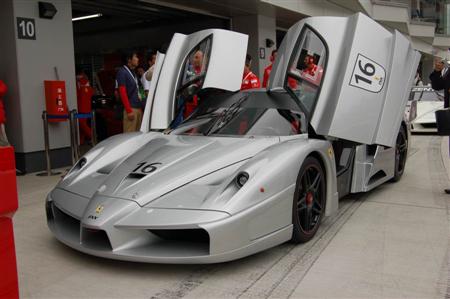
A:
74, 136
45, 118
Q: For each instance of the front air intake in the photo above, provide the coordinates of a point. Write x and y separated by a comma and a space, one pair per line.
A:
95, 239
186, 235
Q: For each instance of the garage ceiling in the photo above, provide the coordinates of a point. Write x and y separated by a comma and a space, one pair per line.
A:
124, 15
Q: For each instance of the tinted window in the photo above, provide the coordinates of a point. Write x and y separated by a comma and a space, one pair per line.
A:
307, 69
191, 78
196, 63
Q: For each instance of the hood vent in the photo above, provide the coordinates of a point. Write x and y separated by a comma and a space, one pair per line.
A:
129, 180
107, 169
135, 176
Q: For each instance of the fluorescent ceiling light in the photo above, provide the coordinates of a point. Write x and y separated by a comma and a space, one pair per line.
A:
87, 17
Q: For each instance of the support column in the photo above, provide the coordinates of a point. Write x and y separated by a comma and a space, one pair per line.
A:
259, 28
30, 54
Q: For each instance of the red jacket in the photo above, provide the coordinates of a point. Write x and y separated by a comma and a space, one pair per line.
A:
84, 94
250, 81
292, 82
266, 75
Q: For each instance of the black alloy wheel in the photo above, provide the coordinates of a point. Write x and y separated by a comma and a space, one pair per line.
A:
401, 152
309, 200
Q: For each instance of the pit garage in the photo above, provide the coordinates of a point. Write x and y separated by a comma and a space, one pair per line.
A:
391, 242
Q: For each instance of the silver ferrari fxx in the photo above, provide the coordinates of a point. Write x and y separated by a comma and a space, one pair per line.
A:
245, 171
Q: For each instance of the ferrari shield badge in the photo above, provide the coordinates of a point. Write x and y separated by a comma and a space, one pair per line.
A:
99, 209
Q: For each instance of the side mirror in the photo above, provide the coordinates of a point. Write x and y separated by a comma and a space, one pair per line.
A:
192, 90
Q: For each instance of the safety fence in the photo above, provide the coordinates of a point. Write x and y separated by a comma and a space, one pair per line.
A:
73, 118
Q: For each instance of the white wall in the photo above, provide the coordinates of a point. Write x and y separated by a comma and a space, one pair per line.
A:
31, 64
8, 73
267, 29
249, 25
312, 7
258, 28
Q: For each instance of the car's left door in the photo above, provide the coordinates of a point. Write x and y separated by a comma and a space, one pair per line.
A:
212, 58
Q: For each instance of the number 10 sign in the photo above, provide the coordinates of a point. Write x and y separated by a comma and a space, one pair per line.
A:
26, 28
367, 74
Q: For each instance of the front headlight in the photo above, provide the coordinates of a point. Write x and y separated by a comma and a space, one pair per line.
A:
82, 162
241, 179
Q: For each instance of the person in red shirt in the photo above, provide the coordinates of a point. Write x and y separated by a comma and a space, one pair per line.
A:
292, 83
249, 79
84, 98
268, 69
312, 72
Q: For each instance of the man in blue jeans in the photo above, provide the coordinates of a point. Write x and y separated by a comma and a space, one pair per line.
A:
128, 88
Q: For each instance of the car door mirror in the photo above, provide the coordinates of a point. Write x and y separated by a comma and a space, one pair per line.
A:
192, 90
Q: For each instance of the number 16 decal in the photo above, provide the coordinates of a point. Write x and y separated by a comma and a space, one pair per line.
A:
367, 74
145, 168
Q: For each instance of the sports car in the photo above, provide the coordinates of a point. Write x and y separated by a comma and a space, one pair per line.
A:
250, 170
428, 101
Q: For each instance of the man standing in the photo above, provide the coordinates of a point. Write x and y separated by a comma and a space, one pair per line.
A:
84, 104
197, 62
249, 79
440, 79
128, 88
197, 65
147, 77
268, 69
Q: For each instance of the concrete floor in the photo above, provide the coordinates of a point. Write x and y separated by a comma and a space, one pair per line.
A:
389, 243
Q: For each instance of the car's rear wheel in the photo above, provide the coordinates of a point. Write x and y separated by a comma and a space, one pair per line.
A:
309, 200
401, 152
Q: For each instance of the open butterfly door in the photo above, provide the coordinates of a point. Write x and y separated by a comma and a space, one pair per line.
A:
350, 74
212, 58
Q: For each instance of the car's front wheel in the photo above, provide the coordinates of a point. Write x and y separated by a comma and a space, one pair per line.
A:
309, 200
401, 152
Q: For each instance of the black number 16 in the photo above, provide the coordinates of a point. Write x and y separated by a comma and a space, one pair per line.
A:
146, 168
368, 70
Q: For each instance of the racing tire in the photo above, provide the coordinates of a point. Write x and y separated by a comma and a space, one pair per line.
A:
401, 153
309, 200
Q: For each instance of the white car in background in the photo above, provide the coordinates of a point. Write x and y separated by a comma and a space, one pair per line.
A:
425, 101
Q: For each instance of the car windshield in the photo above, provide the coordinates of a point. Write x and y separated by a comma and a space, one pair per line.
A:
426, 94
248, 114
431, 96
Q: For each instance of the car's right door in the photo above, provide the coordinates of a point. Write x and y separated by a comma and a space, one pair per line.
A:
352, 76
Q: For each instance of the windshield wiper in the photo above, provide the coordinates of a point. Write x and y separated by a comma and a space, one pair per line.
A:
225, 116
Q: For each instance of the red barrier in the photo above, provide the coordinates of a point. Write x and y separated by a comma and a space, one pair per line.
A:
9, 287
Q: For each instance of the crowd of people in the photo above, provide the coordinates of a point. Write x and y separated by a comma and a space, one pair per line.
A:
133, 77
132, 85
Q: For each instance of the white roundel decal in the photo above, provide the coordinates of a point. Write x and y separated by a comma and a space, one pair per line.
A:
367, 74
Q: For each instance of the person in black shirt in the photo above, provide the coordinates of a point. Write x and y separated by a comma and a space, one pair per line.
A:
440, 79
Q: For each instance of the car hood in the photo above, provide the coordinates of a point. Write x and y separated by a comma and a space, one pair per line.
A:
169, 162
